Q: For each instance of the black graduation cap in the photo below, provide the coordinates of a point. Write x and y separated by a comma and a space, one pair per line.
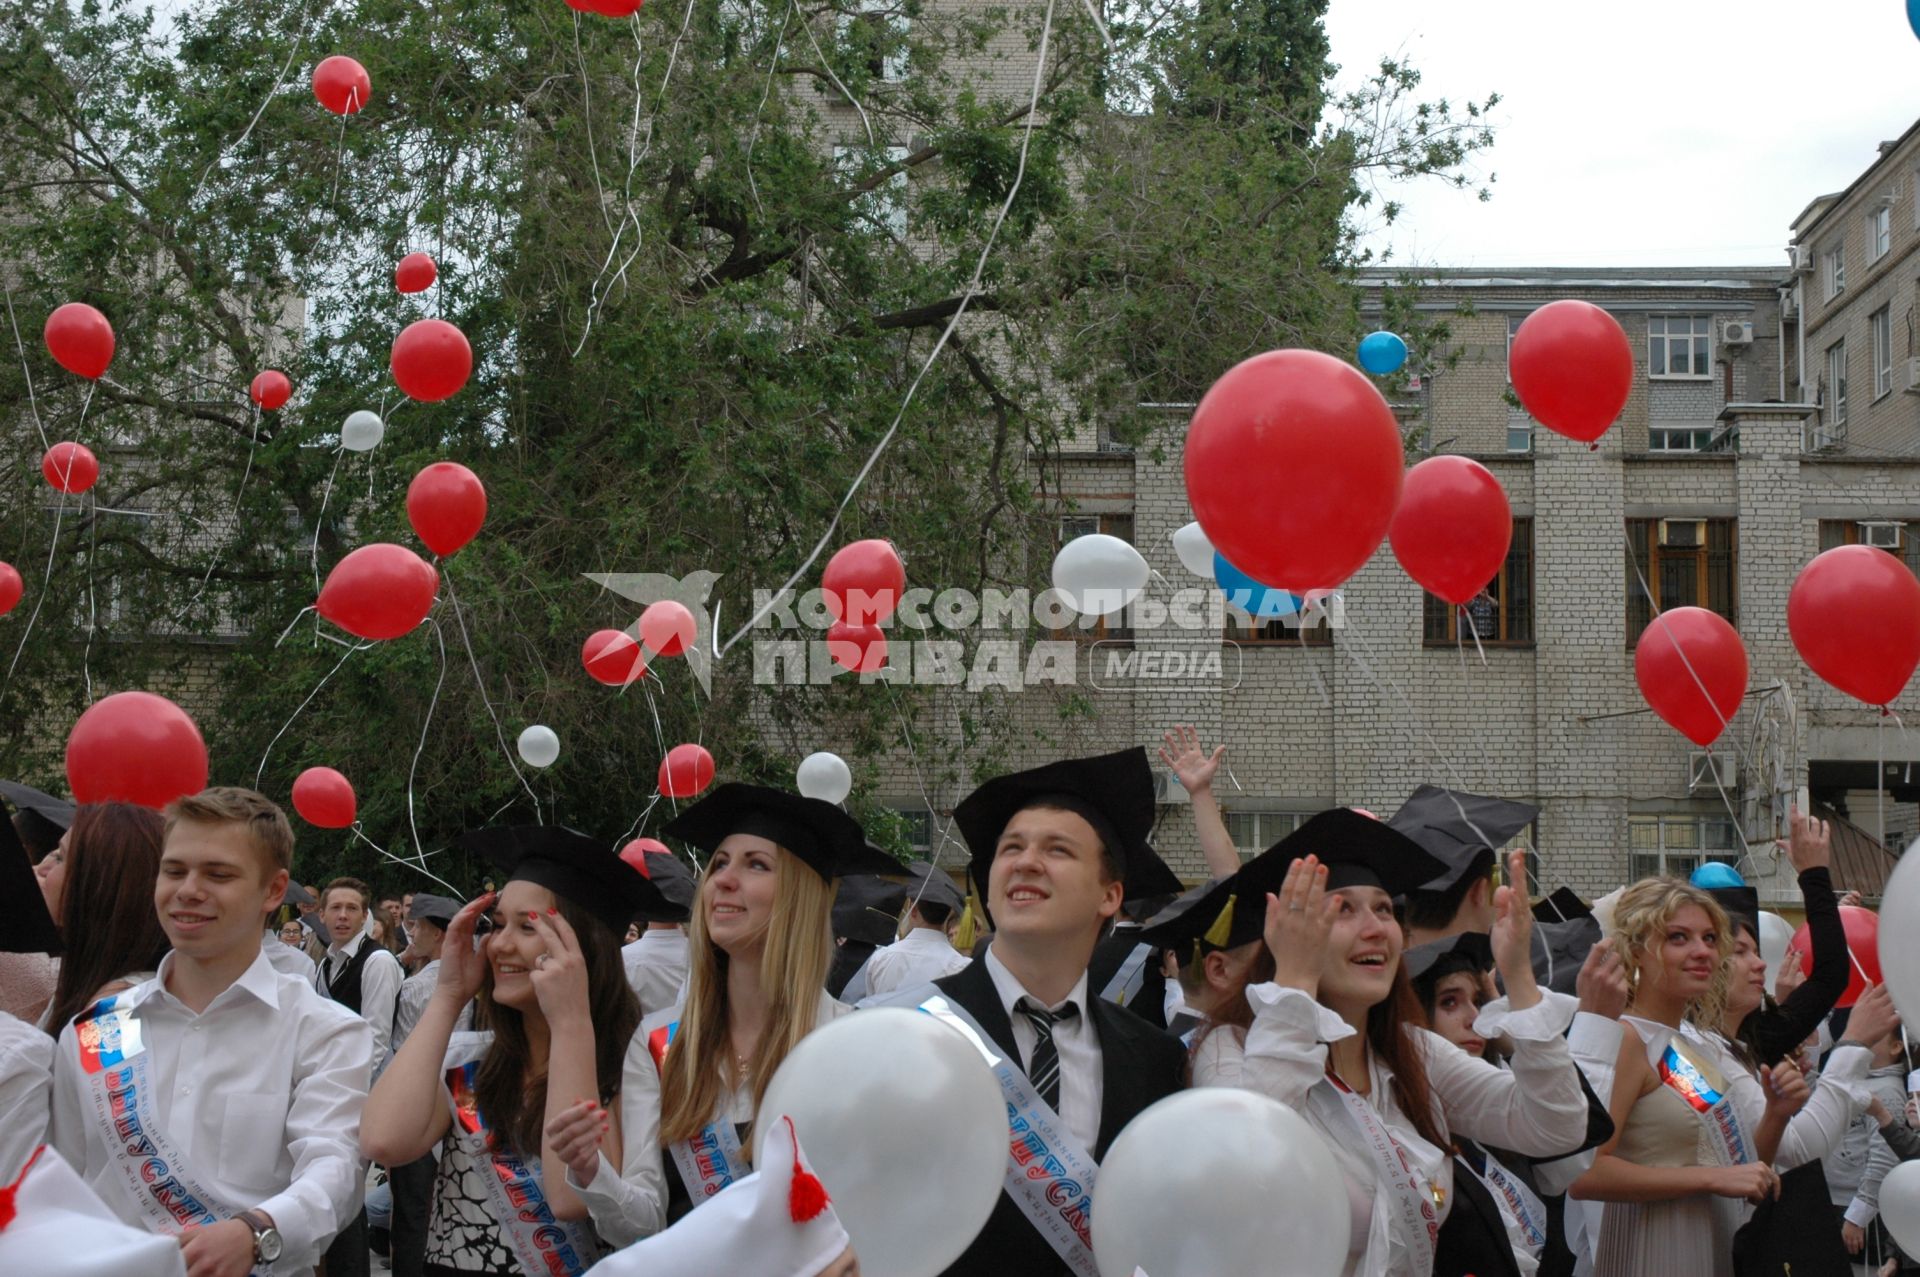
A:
43, 817
299, 895
677, 888
927, 883
1357, 850
823, 837
25, 924
568, 863
1111, 792
1176, 909
866, 909
438, 910
1560, 948
1742, 905
1436, 960
1458, 828
1563, 905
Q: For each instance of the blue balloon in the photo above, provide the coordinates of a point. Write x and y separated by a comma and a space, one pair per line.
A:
1913, 15
1383, 352
1713, 874
1262, 602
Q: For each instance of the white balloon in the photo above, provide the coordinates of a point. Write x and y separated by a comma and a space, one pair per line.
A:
1900, 1198
539, 747
1098, 575
824, 776
1900, 944
362, 431
1188, 1189
1195, 551
1775, 932
904, 1124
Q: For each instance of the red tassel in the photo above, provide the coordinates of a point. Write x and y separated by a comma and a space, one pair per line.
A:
7, 1194
808, 1196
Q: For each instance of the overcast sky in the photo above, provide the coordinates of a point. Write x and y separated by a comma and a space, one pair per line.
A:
1636, 133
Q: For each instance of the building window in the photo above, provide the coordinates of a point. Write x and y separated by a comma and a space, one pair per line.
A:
1691, 437
1837, 383
1900, 538
1834, 269
886, 205
1299, 630
1879, 232
1679, 346
880, 28
917, 824
1113, 625
1255, 831
1513, 326
1685, 562
1881, 325
1501, 614
1519, 434
1675, 846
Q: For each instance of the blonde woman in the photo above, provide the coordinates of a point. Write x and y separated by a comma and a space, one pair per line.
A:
759, 945
1683, 1161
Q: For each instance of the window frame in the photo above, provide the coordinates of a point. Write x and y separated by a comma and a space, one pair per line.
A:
1440, 620
1879, 231
1514, 320
1833, 270
1661, 438
1880, 347
1279, 811
1524, 429
1837, 532
1281, 631
1661, 859
1697, 343
1720, 544
1836, 407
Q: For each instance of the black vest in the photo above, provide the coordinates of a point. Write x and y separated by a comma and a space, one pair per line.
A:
344, 987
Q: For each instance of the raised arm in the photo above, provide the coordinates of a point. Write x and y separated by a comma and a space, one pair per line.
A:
1775, 1032
1182, 752
560, 983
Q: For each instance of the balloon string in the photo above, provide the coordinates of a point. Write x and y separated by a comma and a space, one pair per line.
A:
637, 822
340, 152
320, 520
46, 575
239, 493
659, 737
295, 621
499, 732
936, 852
425, 723
26, 372
586, 114
1313, 671
418, 866
260, 771
86, 651
248, 131
766, 91
953, 323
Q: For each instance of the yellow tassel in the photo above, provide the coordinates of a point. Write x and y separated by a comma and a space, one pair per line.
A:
1222, 927
963, 933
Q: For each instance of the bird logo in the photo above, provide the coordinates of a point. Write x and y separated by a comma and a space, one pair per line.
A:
690, 591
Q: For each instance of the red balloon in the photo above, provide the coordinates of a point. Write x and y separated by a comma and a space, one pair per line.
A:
1572, 368
379, 591
324, 797
70, 467
636, 852
1684, 650
11, 587
1854, 614
859, 648
1863, 947
80, 339
617, 8
1293, 468
341, 85
685, 771
613, 657
271, 389
431, 360
667, 628
446, 503
864, 581
415, 273
135, 747
1452, 528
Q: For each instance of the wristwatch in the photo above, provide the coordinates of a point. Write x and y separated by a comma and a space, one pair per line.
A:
266, 1238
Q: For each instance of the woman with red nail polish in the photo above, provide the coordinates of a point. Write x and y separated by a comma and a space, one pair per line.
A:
553, 990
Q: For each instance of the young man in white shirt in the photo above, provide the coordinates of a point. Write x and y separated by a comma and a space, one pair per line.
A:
356, 972
219, 1100
924, 953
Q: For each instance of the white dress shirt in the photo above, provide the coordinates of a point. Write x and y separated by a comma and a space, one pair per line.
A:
922, 955
1076, 1040
631, 1203
380, 981
261, 1093
285, 958
26, 1083
415, 992
657, 968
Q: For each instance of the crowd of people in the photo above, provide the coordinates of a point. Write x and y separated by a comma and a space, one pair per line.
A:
241, 1073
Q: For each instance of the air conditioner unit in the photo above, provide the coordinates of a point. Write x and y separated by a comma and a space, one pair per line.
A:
1885, 536
1912, 386
1683, 534
1168, 789
1710, 770
1736, 332
1802, 255
1790, 308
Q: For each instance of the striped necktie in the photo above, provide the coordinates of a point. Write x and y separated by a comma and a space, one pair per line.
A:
1043, 1070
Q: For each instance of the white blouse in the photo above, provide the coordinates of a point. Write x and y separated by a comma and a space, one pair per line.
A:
1535, 1107
1820, 1127
631, 1203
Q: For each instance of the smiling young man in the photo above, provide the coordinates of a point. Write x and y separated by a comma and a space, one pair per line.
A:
220, 1100
1056, 850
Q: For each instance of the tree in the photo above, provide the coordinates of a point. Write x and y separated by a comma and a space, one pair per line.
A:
703, 256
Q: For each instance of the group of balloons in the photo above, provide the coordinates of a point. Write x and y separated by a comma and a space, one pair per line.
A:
862, 585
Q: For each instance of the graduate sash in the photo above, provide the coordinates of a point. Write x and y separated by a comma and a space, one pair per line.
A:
1415, 1205
1526, 1213
712, 1159
544, 1245
1126, 982
1684, 1073
117, 1074
1048, 1177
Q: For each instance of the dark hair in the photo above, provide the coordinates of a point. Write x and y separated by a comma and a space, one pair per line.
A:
108, 921
348, 884
517, 1112
1434, 910
936, 914
37, 834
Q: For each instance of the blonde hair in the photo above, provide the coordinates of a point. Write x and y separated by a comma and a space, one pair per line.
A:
1638, 928
266, 824
793, 971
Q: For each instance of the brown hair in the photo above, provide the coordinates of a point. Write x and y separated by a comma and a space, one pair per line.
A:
348, 884
517, 1111
266, 824
108, 920
793, 971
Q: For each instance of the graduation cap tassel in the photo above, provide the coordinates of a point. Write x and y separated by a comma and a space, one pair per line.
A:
963, 932
808, 1196
1222, 927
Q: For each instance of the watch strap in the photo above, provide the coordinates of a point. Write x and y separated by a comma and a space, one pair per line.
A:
254, 1220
